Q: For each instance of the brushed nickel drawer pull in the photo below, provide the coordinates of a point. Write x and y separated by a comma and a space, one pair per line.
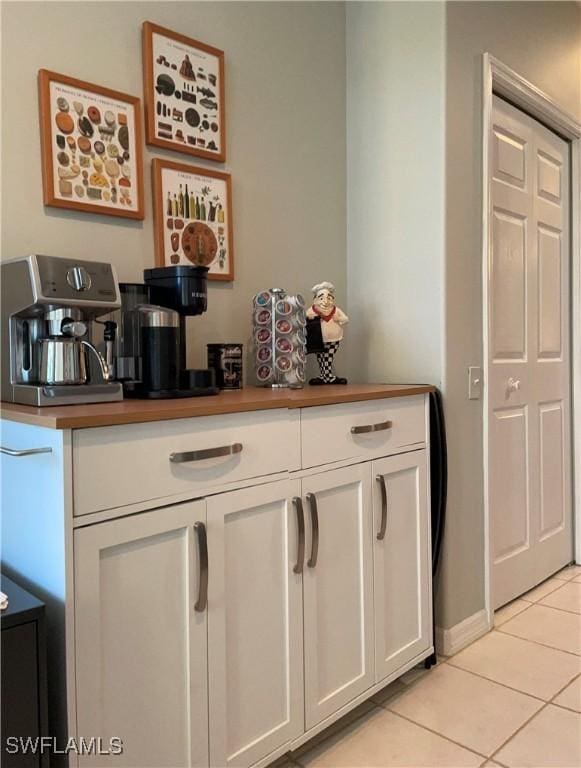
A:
298, 502
24, 451
312, 499
202, 601
366, 428
382, 528
205, 453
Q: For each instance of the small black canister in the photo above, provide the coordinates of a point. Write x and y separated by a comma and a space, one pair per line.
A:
226, 361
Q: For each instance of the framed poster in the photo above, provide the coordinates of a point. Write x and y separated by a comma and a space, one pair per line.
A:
193, 218
91, 143
184, 93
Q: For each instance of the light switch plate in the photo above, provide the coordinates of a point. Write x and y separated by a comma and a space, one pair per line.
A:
474, 382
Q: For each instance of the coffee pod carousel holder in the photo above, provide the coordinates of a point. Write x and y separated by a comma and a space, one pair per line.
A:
280, 342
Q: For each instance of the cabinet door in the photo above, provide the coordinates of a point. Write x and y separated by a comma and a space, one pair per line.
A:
254, 623
338, 597
141, 647
402, 562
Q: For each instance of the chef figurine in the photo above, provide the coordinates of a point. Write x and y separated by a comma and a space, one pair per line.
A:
332, 321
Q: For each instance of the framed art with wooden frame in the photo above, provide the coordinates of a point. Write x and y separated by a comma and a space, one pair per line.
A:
183, 82
91, 142
193, 218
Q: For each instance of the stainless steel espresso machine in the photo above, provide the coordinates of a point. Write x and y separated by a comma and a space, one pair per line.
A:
48, 305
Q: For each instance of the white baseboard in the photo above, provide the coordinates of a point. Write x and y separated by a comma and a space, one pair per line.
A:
450, 641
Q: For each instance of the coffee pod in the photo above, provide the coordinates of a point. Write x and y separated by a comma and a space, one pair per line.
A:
262, 336
262, 317
264, 373
283, 363
262, 299
297, 301
298, 357
299, 339
284, 308
295, 377
263, 354
301, 318
283, 325
284, 345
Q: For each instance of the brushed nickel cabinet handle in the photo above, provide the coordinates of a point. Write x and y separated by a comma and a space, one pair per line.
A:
312, 499
202, 601
24, 451
383, 527
366, 428
298, 503
205, 453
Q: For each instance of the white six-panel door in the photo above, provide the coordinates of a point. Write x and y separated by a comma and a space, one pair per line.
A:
255, 626
141, 647
337, 589
528, 362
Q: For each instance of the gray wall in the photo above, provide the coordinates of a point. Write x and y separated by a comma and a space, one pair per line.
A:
285, 95
395, 189
414, 118
542, 42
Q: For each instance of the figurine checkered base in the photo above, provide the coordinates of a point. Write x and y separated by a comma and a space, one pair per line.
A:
325, 360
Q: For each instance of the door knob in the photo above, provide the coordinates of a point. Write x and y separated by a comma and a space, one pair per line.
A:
513, 385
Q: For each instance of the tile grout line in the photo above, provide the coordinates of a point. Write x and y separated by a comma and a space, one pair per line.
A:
544, 702
318, 741
555, 608
470, 749
518, 730
504, 685
538, 712
510, 618
436, 733
561, 691
536, 642
450, 661
561, 584
573, 565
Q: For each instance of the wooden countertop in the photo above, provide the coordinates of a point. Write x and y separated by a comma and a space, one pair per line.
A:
248, 399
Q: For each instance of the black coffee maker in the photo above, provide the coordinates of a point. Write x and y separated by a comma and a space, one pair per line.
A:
151, 339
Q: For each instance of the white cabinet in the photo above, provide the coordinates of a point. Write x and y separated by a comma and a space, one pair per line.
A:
338, 590
307, 610
401, 561
255, 623
141, 647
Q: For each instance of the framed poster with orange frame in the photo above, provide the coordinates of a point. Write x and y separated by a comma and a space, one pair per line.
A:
183, 82
192, 209
91, 143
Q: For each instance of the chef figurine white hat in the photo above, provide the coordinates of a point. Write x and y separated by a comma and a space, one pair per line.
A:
323, 286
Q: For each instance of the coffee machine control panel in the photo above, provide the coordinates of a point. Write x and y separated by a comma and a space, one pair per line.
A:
87, 281
79, 278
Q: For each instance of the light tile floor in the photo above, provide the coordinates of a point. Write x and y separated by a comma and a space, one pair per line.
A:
512, 698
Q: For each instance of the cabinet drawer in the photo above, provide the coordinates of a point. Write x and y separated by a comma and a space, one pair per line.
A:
364, 429
116, 466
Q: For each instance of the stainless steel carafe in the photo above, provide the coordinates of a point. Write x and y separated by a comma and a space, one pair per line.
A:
63, 361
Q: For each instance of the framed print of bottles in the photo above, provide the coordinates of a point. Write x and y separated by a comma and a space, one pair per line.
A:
183, 82
193, 218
